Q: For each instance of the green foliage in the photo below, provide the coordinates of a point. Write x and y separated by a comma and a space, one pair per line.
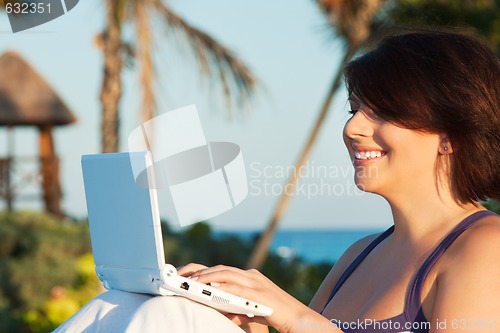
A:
38, 246
39, 269
483, 16
492, 205
197, 244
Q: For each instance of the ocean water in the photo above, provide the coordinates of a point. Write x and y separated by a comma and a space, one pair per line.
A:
313, 246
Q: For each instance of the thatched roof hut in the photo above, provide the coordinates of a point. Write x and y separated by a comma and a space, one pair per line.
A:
26, 99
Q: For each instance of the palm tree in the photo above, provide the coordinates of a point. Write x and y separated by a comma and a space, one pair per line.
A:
352, 20
214, 60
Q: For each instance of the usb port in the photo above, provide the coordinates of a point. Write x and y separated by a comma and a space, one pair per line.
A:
185, 285
206, 292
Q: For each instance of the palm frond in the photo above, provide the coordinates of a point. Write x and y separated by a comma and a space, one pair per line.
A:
351, 18
213, 58
144, 56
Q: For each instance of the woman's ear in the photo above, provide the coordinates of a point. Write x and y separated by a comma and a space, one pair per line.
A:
445, 147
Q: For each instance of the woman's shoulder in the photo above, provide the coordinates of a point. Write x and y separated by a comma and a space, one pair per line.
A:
338, 268
471, 262
479, 240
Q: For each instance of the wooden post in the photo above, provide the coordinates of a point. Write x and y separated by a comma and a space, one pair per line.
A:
49, 170
5, 182
6, 191
10, 160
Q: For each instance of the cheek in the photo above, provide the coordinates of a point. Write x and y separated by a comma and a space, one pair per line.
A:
413, 152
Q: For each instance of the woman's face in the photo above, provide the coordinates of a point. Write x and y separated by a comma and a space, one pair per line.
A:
389, 160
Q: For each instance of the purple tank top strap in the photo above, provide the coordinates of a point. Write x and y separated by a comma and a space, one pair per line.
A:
356, 263
413, 308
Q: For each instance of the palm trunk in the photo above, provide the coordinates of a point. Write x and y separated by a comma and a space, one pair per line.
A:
261, 249
111, 89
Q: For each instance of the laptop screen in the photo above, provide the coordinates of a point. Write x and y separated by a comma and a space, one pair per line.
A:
125, 227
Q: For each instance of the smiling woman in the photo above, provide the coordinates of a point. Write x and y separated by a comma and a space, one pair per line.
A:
440, 84
424, 135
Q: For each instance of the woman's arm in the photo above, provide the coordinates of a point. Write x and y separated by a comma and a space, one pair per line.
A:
254, 327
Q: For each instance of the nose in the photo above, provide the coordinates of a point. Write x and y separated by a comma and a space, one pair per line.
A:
358, 126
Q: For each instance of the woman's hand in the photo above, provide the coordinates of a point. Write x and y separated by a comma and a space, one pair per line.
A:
253, 285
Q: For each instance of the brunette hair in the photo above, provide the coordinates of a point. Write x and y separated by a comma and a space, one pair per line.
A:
439, 82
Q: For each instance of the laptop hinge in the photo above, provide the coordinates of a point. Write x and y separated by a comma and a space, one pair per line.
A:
139, 280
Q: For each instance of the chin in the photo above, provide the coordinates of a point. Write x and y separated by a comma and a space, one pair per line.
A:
367, 185
363, 186
367, 178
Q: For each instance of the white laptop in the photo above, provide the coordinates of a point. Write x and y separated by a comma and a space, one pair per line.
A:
126, 236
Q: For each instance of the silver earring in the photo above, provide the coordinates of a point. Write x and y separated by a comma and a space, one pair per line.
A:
445, 148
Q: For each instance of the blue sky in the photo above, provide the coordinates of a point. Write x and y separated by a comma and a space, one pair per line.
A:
286, 44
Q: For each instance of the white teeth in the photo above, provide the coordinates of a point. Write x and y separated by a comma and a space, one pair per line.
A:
366, 155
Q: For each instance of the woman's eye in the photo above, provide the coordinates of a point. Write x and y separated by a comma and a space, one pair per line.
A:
353, 111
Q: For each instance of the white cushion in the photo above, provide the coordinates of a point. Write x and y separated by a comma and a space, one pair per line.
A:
118, 311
